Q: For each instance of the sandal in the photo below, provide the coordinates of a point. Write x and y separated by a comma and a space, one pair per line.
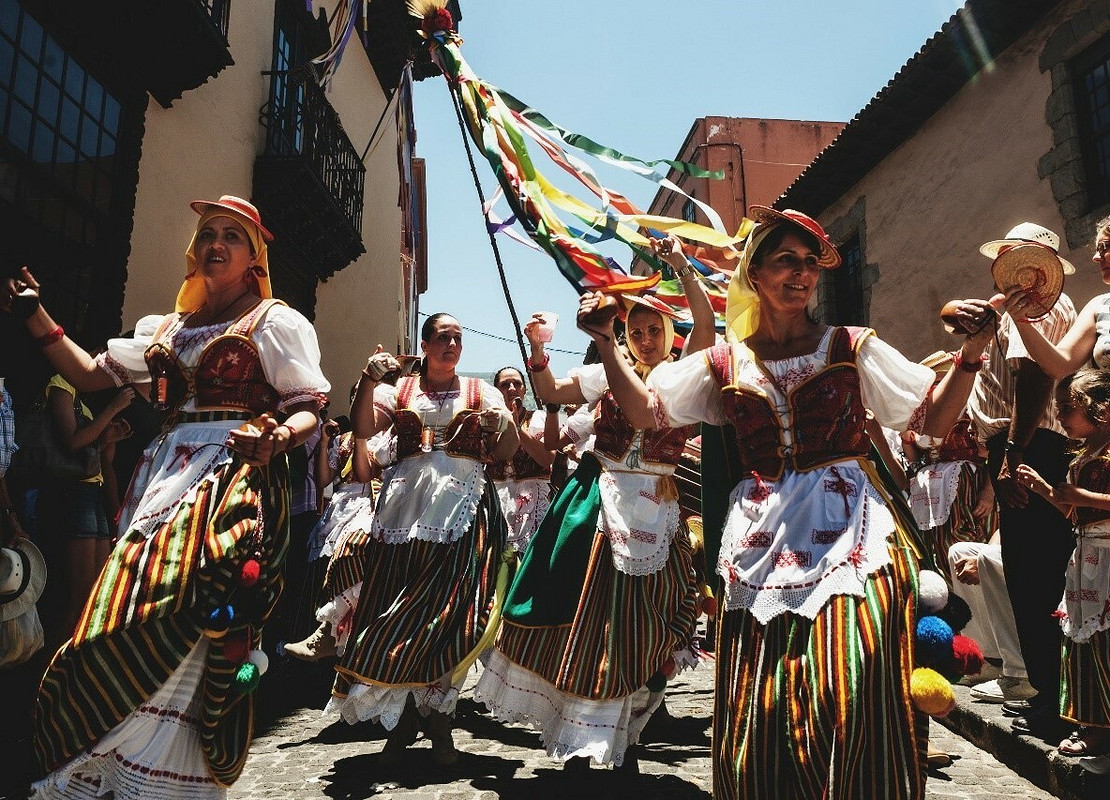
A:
935, 758
1086, 742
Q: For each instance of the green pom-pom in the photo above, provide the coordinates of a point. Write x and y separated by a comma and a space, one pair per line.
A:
246, 679
657, 682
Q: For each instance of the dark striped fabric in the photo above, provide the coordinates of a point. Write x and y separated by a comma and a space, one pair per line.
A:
423, 605
148, 609
622, 627
820, 710
1085, 681
961, 525
346, 564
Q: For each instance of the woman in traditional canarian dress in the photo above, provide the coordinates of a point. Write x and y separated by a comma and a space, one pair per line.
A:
604, 605
437, 545
151, 697
815, 644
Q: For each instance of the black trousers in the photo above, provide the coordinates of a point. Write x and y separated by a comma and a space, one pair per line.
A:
1036, 544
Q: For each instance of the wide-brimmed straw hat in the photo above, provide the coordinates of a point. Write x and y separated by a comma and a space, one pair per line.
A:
648, 301
1024, 233
239, 206
829, 258
22, 578
1035, 269
941, 361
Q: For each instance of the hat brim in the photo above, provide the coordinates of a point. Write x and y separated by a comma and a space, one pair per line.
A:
991, 250
659, 307
36, 566
828, 258
940, 361
202, 206
1034, 268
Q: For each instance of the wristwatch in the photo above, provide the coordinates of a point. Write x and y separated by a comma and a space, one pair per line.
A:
1014, 447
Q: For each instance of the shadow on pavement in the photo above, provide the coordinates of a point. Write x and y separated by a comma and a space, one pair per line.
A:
597, 784
363, 776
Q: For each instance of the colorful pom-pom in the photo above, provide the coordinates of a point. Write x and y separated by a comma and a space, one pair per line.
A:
709, 606
249, 572
657, 682
219, 620
260, 660
669, 668
933, 641
246, 678
967, 658
957, 613
931, 692
932, 591
436, 21
236, 648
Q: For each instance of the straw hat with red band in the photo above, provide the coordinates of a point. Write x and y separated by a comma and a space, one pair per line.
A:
1025, 233
193, 293
742, 310
667, 315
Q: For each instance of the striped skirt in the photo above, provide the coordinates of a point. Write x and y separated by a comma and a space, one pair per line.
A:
1085, 681
145, 616
821, 709
962, 525
580, 639
422, 611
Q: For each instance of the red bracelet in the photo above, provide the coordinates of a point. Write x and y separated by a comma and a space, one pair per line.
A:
974, 366
540, 367
53, 337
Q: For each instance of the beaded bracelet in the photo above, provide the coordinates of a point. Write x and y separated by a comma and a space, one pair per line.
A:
539, 367
959, 363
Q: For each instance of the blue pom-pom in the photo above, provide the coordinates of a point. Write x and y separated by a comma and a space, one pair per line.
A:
933, 641
219, 620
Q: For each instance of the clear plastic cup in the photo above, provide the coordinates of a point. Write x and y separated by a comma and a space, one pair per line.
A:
545, 330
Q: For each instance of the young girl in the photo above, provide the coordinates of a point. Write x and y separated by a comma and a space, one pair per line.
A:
1083, 408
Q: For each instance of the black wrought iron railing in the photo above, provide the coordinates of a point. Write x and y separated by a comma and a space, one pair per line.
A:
219, 11
300, 122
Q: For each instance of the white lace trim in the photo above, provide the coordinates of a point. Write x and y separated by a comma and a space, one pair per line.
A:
384, 704
155, 753
933, 491
787, 547
349, 502
569, 726
1085, 607
339, 614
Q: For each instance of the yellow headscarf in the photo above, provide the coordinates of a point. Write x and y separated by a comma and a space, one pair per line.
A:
641, 368
742, 306
192, 293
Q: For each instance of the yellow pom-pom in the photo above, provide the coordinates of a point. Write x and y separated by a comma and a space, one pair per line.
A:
931, 692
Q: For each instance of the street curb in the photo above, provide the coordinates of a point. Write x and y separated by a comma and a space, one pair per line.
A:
1038, 761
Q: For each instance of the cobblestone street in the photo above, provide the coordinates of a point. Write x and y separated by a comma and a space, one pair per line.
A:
306, 755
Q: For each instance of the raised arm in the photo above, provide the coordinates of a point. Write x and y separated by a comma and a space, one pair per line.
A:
21, 296
548, 387
1073, 350
628, 390
703, 334
535, 445
366, 419
947, 401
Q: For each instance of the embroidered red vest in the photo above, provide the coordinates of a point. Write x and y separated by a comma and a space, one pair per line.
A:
463, 436
1095, 476
228, 375
960, 444
826, 412
614, 435
524, 466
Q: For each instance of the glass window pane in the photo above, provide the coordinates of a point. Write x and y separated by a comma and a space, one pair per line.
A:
26, 77
107, 144
90, 131
7, 61
9, 17
44, 144
94, 97
75, 80
66, 155
19, 127
53, 60
30, 38
71, 120
111, 114
48, 102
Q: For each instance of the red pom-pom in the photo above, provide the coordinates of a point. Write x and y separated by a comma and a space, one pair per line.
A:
670, 667
709, 606
248, 575
438, 20
236, 649
967, 656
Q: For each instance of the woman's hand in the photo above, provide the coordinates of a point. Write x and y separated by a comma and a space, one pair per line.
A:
531, 331
1018, 302
1031, 480
967, 571
20, 295
257, 445
669, 250
380, 364
985, 504
598, 331
494, 421
116, 431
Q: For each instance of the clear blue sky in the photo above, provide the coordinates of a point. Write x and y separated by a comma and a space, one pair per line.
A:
633, 76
